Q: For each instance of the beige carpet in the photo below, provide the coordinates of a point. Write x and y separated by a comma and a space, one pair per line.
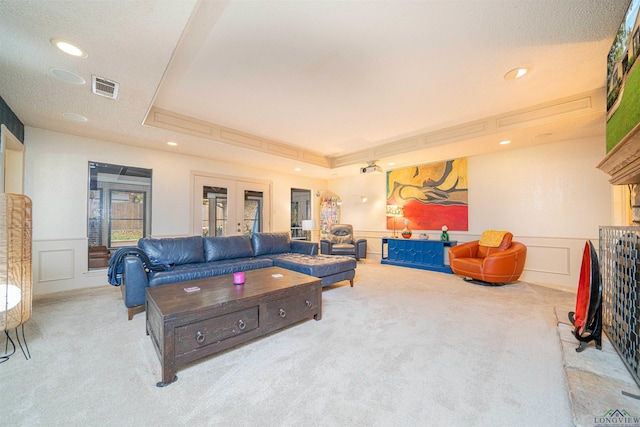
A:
403, 347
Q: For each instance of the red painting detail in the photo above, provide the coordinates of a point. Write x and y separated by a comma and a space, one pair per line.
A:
432, 217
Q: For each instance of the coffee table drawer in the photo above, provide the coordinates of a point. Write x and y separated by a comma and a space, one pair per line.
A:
210, 331
290, 310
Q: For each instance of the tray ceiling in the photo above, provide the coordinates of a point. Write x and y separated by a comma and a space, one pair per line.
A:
323, 84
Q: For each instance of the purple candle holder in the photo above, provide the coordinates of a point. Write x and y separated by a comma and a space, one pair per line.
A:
238, 278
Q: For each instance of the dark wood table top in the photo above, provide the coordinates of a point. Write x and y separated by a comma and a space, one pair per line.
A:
172, 299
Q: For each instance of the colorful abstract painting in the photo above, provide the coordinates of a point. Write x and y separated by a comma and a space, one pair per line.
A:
432, 195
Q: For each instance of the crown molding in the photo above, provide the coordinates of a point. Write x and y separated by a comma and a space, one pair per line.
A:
169, 120
560, 109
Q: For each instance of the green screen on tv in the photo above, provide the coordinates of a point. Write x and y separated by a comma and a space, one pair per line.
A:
623, 79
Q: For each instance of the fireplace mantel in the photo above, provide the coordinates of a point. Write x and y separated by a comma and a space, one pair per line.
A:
622, 163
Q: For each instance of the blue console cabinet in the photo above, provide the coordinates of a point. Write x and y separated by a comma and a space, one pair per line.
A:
424, 254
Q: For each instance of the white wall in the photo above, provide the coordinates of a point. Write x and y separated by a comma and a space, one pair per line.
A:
551, 197
56, 179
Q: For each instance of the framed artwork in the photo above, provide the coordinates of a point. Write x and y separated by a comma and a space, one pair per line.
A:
431, 195
329, 214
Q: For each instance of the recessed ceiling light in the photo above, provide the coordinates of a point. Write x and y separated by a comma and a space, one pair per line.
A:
516, 73
297, 169
391, 164
74, 117
173, 144
69, 48
67, 76
505, 142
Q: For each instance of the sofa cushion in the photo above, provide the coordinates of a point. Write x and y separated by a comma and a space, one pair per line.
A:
343, 249
339, 240
304, 247
484, 250
492, 238
341, 234
179, 250
314, 265
271, 243
183, 273
227, 247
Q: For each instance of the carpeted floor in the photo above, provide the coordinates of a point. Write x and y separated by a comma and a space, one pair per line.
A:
403, 347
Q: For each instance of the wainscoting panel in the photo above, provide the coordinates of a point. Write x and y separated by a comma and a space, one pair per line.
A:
62, 265
55, 265
549, 259
554, 261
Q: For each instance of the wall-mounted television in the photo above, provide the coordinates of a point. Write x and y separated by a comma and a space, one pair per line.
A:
623, 80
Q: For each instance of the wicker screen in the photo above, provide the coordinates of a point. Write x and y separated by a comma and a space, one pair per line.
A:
15, 260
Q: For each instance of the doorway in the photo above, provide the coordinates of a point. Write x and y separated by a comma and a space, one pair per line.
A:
226, 206
11, 163
300, 211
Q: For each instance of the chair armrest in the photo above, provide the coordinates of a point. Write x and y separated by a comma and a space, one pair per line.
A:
134, 282
361, 248
304, 247
464, 250
510, 261
325, 246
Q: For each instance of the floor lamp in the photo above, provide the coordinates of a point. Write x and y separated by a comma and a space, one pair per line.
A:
308, 225
15, 268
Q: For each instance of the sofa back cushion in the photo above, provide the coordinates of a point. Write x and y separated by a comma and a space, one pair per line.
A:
341, 233
179, 250
227, 247
271, 243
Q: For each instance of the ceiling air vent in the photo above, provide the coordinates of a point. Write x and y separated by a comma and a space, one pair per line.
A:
103, 87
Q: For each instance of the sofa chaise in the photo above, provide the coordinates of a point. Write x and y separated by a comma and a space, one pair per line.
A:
195, 257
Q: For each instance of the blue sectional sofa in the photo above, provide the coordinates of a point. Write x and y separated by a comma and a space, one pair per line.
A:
191, 258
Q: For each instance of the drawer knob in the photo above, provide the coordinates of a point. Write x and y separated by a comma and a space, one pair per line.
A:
199, 337
282, 312
241, 324
307, 303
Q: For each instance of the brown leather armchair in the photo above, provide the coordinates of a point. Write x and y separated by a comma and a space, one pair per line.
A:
342, 242
489, 263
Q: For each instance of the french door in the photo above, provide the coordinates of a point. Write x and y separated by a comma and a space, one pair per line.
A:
228, 206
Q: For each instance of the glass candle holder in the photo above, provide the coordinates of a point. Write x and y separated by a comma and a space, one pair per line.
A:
238, 278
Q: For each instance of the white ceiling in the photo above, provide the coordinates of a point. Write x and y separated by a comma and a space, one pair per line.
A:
329, 77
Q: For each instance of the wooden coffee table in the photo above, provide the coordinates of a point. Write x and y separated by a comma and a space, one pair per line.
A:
185, 326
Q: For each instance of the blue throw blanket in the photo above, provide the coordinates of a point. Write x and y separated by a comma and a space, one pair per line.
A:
114, 274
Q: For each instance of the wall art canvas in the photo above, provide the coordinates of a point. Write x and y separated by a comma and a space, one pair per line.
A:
329, 215
432, 195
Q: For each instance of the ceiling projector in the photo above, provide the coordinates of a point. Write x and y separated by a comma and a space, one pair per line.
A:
372, 168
